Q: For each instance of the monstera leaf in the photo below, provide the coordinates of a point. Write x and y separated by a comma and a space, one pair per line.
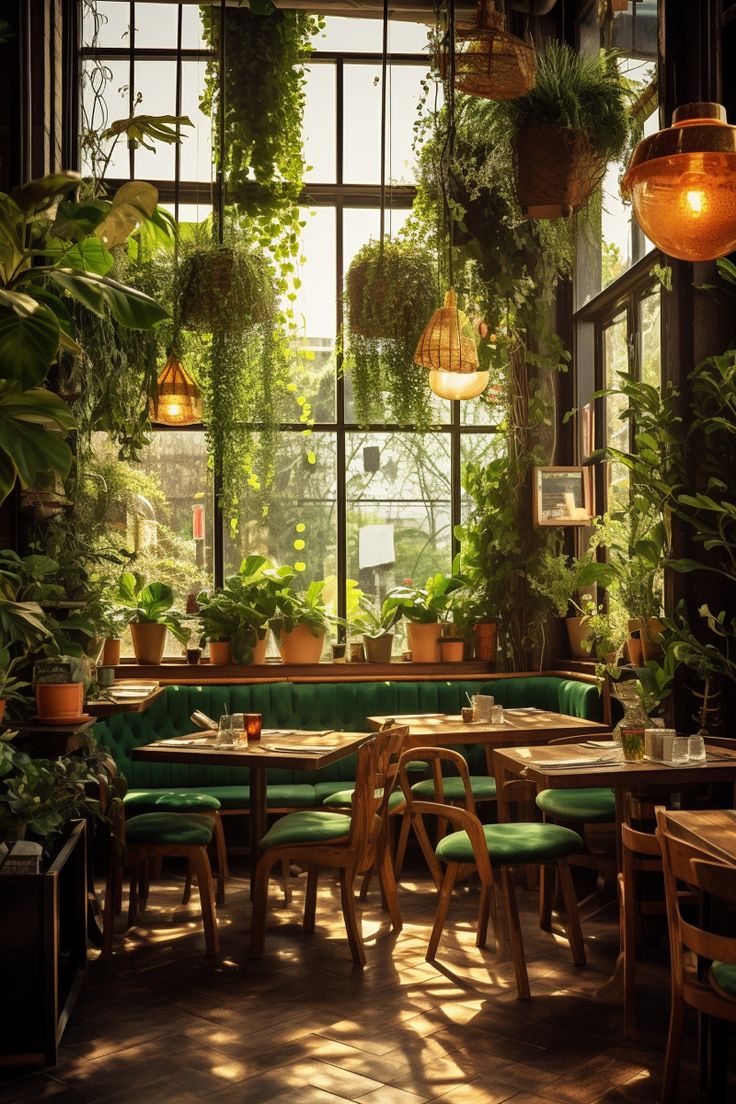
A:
132, 202
28, 447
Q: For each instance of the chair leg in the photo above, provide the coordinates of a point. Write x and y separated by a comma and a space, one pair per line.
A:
310, 898
286, 879
572, 921
200, 862
388, 889
443, 903
118, 895
627, 956
516, 941
221, 853
352, 924
674, 1050
484, 908
157, 867
420, 831
547, 891
143, 884
260, 903
365, 885
133, 895
402, 844
187, 891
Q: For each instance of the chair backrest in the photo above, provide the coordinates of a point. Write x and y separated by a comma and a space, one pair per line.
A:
375, 781
683, 862
434, 757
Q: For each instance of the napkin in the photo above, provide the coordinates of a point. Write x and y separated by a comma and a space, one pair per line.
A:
562, 764
315, 749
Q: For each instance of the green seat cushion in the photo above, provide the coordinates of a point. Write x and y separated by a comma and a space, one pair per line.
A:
513, 844
344, 798
184, 801
307, 827
325, 789
482, 785
583, 805
724, 976
181, 828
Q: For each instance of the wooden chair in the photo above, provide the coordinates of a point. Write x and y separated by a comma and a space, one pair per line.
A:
491, 851
144, 840
715, 995
353, 843
640, 855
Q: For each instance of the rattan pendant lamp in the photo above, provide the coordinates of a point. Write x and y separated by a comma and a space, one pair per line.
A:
447, 345
489, 61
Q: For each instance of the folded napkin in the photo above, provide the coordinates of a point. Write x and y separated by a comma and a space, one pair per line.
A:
563, 764
315, 749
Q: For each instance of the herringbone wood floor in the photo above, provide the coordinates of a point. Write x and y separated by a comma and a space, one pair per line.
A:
159, 1023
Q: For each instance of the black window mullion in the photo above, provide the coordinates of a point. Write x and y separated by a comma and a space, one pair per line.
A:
340, 459
131, 84
455, 477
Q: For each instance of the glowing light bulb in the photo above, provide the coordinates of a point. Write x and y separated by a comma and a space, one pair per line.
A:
695, 201
458, 385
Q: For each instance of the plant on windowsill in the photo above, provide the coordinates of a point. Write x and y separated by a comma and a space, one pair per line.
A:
425, 611
301, 620
376, 625
150, 615
235, 618
559, 580
390, 295
566, 129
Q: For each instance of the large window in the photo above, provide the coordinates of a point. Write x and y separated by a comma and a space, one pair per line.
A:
378, 504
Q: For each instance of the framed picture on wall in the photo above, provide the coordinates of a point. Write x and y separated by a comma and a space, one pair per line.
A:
562, 496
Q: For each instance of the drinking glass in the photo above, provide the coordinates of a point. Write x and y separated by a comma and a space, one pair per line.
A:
680, 749
632, 744
696, 749
240, 734
225, 731
253, 726
496, 714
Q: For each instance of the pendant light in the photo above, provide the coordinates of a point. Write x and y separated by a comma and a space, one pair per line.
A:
682, 182
491, 62
178, 401
448, 346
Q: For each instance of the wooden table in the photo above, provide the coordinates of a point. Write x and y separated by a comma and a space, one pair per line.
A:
712, 829
533, 726
106, 707
257, 757
536, 764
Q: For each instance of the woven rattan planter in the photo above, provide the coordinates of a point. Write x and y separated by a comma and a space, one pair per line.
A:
222, 290
556, 171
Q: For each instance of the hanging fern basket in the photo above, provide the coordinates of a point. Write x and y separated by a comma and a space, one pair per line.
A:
556, 171
224, 289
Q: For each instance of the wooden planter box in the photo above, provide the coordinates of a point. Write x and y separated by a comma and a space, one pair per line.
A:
43, 953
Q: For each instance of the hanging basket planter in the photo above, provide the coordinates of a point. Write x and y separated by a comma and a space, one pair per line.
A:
223, 289
489, 61
556, 171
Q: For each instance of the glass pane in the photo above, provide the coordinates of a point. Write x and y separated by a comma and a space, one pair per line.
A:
191, 212
478, 448
651, 338
361, 225
196, 144
155, 25
362, 144
303, 496
399, 524
320, 123
99, 111
105, 24
616, 363
191, 28
154, 509
366, 36
155, 82
315, 318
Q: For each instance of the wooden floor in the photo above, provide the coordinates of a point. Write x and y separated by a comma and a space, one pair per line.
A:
159, 1023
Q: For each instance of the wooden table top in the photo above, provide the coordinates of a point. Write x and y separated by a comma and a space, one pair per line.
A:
712, 829
540, 723
107, 707
537, 764
334, 746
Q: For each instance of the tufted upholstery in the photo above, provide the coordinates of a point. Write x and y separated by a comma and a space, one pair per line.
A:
314, 706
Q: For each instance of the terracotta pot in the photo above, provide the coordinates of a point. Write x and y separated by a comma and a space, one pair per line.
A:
59, 700
576, 632
486, 639
220, 652
301, 646
149, 642
424, 642
2, 708
357, 652
650, 634
110, 653
452, 651
378, 648
259, 651
633, 646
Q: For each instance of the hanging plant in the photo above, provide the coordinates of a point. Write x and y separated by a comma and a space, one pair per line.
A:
391, 292
221, 288
264, 107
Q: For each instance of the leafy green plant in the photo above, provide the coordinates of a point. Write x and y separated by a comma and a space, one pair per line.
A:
11, 688
423, 605
242, 609
149, 604
391, 293
376, 622
295, 608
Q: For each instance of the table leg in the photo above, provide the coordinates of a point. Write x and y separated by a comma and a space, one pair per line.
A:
502, 776
258, 817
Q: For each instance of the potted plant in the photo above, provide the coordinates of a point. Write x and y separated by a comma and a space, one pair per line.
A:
558, 578
150, 616
391, 294
423, 607
223, 287
376, 626
300, 623
235, 619
456, 642
566, 129
59, 685
10, 687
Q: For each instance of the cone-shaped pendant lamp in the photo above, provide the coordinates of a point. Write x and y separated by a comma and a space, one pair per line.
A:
682, 182
447, 347
178, 400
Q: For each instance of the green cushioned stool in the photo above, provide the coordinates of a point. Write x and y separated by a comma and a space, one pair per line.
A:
594, 806
344, 798
173, 801
311, 826
186, 828
482, 785
490, 851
